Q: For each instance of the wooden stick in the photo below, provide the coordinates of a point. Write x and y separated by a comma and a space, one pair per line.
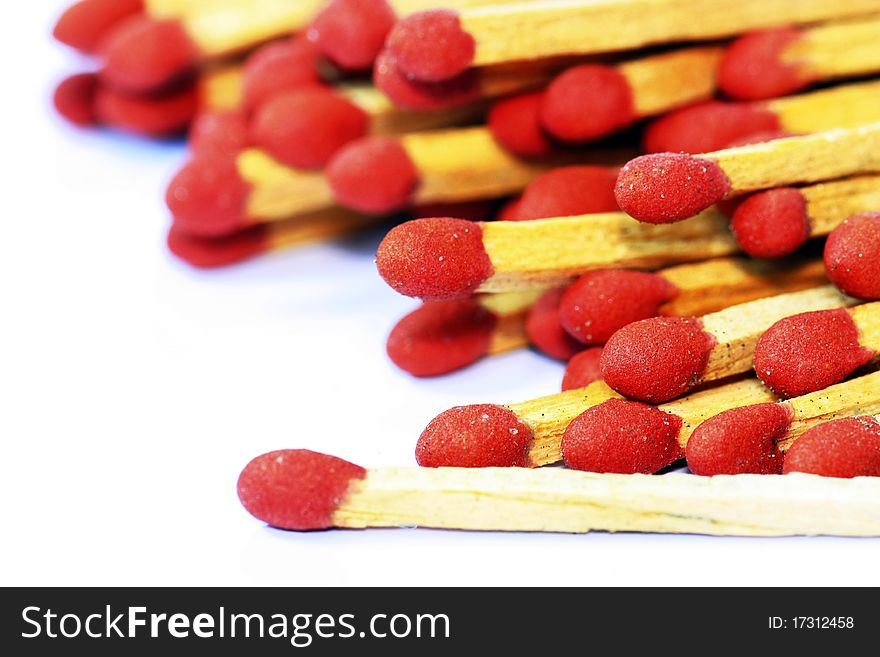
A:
845, 106
829, 204
847, 48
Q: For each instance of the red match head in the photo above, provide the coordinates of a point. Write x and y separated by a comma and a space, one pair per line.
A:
207, 197
296, 488
158, 116
583, 369
587, 102
655, 360
86, 23
431, 45
568, 192
351, 33
510, 210
706, 127
623, 437
145, 54
852, 256
374, 175
667, 187
601, 302
753, 67
441, 337
740, 441
419, 95
809, 351
849, 447
219, 133
74, 99
479, 436
304, 128
772, 224
515, 126
212, 252
544, 329
278, 68
434, 258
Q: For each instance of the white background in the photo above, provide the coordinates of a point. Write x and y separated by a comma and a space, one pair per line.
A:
134, 389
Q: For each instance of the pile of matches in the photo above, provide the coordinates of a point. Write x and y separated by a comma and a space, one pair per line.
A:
678, 198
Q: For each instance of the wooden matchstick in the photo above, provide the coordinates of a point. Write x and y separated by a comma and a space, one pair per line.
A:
668, 187
302, 490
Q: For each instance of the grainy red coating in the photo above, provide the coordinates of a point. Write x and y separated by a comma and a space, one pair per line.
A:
583, 369
849, 447
809, 351
601, 302
211, 252
84, 24
156, 116
419, 95
74, 99
374, 175
623, 437
296, 488
278, 68
144, 54
207, 197
479, 436
655, 360
440, 258
545, 331
587, 102
668, 187
569, 191
739, 441
219, 133
351, 33
431, 45
515, 126
753, 68
441, 337
771, 224
852, 256
306, 127
706, 127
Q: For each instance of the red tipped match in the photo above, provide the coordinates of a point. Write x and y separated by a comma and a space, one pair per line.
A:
373, 175
434, 259
278, 68
515, 126
296, 488
852, 256
85, 24
545, 331
772, 224
153, 117
306, 127
740, 441
569, 192
481, 436
666, 187
655, 360
583, 369
603, 301
351, 33
753, 67
810, 351
441, 337
419, 95
587, 102
144, 55
74, 99
846, 448
622, 437
212, 252
219, 134
207, 197
431, 45
706, 127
